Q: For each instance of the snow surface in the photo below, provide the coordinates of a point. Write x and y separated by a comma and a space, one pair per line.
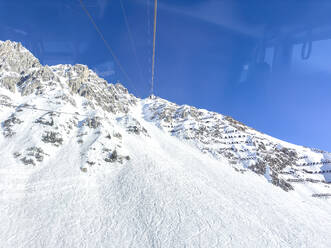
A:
170, 195
83, 164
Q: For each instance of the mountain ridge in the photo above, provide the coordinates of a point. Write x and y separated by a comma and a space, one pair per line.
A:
94, 166
210, 132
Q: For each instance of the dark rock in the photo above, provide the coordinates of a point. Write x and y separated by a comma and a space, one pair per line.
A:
16, 154
28, 161
93, 122
8, 124
112, 157
36, 152
52, 137
45, 121
90, 163
118, 135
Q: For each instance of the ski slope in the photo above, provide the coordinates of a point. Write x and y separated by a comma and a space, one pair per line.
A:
168, 195
84, 163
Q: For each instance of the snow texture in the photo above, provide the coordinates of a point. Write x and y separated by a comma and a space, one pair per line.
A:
85, 163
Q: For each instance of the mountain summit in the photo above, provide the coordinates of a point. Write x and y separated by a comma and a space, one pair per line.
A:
84, 163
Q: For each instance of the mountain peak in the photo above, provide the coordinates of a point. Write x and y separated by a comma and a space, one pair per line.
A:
21, 71
212, 133
144, 172
15, 58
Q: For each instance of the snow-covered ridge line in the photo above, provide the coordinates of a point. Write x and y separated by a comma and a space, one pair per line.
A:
94, 166
77, 89
21, 72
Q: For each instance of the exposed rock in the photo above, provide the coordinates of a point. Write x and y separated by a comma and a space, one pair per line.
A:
15, 58
9, 82
112, 157
115, 157
93, 122
28, 161
8, 124
30, 77
133, 126
326, 195
82, 81
117, 135
36, 152
281, 183
31, 155
5, 100
52, 137
46, 119
90, 163
236, 124
222, 136
16, 154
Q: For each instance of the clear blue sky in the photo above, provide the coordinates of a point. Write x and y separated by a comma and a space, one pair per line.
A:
201, 50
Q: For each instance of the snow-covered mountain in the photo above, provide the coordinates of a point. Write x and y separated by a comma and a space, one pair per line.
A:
85, 163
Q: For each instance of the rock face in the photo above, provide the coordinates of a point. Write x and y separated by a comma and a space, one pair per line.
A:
244, 147
47, 108
15, 64
21, 71
84, 82
57, 105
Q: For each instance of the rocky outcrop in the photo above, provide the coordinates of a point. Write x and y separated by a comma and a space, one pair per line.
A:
222, 136
8, 125
84, 82
31, 155
15, 63
21, 71
51, 137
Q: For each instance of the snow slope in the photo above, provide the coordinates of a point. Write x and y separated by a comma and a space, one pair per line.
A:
86, 164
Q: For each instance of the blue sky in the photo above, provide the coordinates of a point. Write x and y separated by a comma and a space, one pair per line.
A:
201, 50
